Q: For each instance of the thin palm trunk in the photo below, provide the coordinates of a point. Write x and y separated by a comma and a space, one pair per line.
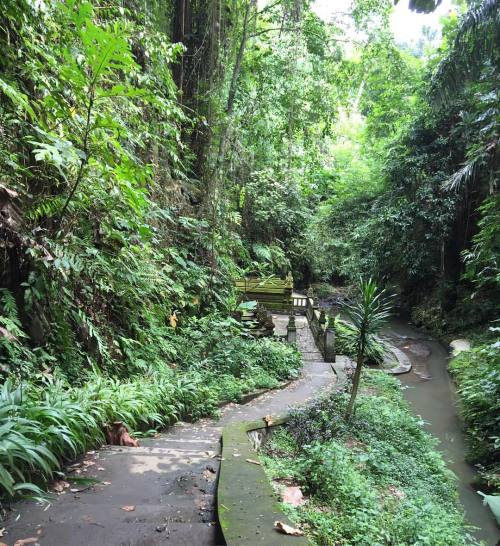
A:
368, 315
356, 380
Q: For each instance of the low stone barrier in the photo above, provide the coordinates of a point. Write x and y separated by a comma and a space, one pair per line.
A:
324, 335
246, 503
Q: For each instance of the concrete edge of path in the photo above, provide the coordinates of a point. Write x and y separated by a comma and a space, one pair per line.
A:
246, 503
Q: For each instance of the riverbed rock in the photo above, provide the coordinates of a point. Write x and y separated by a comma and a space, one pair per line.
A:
457, 346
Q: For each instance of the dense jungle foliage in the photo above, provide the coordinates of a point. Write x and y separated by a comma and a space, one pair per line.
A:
477, 373
377, 479
152, 152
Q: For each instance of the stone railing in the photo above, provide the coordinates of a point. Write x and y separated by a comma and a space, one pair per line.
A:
299, 304
273, 293
324, 336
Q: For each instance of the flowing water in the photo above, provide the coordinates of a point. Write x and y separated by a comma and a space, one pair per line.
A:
431, 394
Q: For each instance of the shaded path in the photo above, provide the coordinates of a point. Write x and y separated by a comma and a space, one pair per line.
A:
170, 480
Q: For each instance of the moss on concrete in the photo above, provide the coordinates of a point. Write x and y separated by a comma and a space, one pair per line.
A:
247, 505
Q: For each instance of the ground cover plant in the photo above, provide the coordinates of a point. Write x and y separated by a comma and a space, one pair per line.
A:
477, 374
375, 480
46, 420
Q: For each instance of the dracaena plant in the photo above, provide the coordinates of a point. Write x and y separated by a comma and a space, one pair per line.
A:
368, 314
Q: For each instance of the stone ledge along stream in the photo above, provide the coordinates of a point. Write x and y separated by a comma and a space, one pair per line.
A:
167, 485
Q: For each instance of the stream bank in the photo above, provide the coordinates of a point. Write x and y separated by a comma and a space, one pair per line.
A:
431, 394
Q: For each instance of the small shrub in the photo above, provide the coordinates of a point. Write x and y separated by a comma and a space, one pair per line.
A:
376, 479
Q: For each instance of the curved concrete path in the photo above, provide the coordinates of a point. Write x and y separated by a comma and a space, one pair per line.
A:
167, 484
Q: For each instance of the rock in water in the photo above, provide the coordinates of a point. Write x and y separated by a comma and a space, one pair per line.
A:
457, 346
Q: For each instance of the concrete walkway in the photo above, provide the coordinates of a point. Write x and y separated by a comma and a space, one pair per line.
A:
167, 485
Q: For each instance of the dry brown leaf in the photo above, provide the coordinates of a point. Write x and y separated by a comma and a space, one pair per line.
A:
128, 508
287, 529
173, 320
23, 541
293, 495
396, 492
60, 486
268, 419
209, 476
252, 461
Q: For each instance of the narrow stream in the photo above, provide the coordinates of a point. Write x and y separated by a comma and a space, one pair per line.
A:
431, 394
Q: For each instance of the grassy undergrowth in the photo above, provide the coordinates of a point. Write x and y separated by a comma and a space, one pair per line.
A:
477, 373
375, 481
47, 421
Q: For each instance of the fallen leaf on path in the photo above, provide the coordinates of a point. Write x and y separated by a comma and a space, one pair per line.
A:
268, 419
23, 541
209, 473
287, 529
60, 486
252, 461
128, 508
209, 476
293, 495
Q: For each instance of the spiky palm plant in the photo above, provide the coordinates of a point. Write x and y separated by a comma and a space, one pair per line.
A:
368, 313
476, 44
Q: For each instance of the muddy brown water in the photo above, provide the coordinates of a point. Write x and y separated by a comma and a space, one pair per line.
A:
431, 394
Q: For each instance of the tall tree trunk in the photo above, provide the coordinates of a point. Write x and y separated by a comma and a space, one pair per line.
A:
181, 28
234, 83
215, 178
